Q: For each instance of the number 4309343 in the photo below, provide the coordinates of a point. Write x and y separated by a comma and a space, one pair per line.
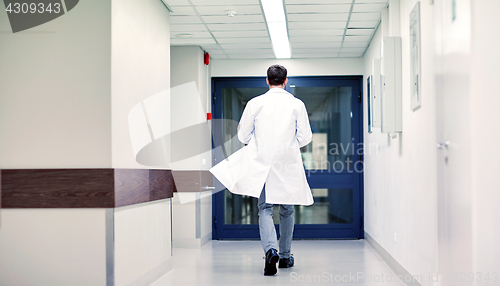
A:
33, 8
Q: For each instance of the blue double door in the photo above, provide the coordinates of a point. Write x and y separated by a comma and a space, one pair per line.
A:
333, 160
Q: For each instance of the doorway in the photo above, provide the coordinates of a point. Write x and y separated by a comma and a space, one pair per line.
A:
333, 160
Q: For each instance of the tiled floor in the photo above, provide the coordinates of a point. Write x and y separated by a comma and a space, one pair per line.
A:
318, 262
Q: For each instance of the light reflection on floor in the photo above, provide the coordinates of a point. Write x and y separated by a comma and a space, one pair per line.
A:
317, 262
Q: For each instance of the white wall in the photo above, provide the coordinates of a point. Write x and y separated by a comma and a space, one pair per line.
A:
142, 243
184, 224
453, 96
401, 174
140, 68
206, 218
55, 113
192, 212
66, 94
185, 64
295, 67
485, 60
191, 219
54, 101
187, 67
53, 247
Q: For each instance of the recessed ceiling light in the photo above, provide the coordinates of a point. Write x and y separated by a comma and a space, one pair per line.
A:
230, 13
184, 35
276, 24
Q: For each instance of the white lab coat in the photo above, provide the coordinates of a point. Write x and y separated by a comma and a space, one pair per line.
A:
274, 125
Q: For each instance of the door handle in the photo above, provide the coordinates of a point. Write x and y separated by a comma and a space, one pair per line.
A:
444, 145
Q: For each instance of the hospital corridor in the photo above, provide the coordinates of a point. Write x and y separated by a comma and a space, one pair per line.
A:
249, 142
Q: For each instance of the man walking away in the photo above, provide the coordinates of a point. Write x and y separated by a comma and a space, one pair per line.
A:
274, 126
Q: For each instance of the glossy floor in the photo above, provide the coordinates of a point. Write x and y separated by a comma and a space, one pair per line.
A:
317, 262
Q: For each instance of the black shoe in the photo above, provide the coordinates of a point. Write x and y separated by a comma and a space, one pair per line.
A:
286, 262
272, 258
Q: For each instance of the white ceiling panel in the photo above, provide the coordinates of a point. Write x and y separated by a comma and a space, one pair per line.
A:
316, 39
350, 55
315, 51
338, 17
224, 2
221, 10
238, 27
215, 52
300, 33
363, 24
235, 19
372, 1
365, 16
316, 25
300, 9
357, 38
212, 48
359, 32
185, 20
314, 55
173, 3
353, 50
188, 28
253, 56
375, 8
206, 34
191, 41
249, 51
183, 11
355, 44
318, 1
246, 46
234, 34
243, 40
315, 45
219, 57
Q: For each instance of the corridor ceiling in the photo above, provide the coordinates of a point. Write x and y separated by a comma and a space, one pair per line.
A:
316, 28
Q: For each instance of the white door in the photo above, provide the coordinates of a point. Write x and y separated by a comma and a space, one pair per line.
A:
453, 42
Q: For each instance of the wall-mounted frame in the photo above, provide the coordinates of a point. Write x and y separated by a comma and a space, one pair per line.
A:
415, 61
391, 70
369, 102
376, 91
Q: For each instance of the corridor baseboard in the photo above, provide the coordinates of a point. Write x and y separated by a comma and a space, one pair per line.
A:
83, 188
397, 268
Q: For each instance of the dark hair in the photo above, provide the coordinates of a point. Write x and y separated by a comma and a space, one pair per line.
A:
276, 74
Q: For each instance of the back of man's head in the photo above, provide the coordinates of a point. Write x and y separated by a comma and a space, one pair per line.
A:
276, 75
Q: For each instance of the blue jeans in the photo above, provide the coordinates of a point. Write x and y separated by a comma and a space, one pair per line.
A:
268, 231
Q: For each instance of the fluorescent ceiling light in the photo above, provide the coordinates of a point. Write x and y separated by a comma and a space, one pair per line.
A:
276, 23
